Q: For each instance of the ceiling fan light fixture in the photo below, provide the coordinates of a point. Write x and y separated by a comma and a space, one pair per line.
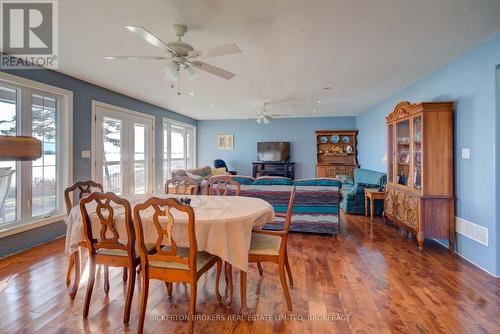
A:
191, 73
266, 120
171, 71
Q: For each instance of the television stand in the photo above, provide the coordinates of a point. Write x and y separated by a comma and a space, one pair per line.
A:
274, 168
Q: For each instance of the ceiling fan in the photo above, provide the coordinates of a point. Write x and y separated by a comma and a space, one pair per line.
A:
263, 116
181, 55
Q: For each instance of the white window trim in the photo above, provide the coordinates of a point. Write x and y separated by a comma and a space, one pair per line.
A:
66, 150
195, 142
95, 105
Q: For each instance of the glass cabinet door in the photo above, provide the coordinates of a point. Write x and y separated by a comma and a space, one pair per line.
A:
417, 152
402, 152
390, 151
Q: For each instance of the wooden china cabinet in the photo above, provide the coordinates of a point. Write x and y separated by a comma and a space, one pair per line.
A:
336, 153
419, 195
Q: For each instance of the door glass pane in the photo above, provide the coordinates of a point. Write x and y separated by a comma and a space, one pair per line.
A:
112, 155
417, 152
177, 148
403, 152
44, 181
390, 159
139, 159
8, 127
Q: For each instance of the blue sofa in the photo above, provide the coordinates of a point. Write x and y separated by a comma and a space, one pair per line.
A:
317, 201
353, 191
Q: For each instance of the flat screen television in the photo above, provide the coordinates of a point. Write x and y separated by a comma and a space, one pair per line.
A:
273, 151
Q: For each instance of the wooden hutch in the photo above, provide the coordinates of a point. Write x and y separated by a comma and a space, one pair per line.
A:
336, 153
419, 195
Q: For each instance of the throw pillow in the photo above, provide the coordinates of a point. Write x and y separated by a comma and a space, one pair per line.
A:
194, 177
219, 171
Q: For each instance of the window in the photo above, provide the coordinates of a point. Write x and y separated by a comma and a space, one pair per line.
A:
32, 191
179, 147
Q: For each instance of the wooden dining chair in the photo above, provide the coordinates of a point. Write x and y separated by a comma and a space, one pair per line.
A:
171, 263
180, 185
223, 185
271, 246
110, 248
79, 190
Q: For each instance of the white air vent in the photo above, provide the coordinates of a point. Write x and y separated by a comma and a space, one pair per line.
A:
473, 231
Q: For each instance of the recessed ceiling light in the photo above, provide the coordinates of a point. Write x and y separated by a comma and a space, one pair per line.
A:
191, 93
211, 106
314, 111
319, 101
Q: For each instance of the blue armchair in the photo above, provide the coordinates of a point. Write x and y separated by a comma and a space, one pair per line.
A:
353, 193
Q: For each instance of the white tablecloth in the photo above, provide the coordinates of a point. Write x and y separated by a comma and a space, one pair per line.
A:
223, 225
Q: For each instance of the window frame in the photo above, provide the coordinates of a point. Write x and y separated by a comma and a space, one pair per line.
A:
167, 122
26, 88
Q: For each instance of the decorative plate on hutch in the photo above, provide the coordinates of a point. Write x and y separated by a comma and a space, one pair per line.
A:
323, 139
335, 139
346, 139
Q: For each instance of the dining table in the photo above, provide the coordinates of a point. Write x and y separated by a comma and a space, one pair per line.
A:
223, 227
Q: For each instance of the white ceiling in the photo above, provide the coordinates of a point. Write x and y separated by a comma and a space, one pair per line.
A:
365, 50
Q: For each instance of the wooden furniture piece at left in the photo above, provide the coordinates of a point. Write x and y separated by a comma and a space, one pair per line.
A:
419, 192
170, 263
19, 148
271, 246
371, 195
336, 153
109, 249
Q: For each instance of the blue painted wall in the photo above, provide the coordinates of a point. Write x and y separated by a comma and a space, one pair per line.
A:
299, 131
83, 94
470, 82
497, 130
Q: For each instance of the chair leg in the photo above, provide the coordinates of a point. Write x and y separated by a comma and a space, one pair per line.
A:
106, 279
144, 301
284, 285
217, 280
71, 265
169, 288
288, 271
228, 273
192, 306
130, 294
90, 287
76, 281
261, 270
124, 275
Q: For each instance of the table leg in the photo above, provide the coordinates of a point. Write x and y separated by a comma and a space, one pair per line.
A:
366, 206
372, 209
243, 293
228, 273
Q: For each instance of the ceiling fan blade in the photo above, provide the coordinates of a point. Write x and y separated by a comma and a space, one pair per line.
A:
148, 37
135, 58
213, 70
221, 50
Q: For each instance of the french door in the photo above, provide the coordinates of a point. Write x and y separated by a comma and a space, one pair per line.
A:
123, 150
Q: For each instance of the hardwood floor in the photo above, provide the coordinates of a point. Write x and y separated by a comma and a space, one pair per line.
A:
364, 284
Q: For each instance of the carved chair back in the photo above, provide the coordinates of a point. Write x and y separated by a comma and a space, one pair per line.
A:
163, 220
110, 210
181, 185
223, 185
83, 188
